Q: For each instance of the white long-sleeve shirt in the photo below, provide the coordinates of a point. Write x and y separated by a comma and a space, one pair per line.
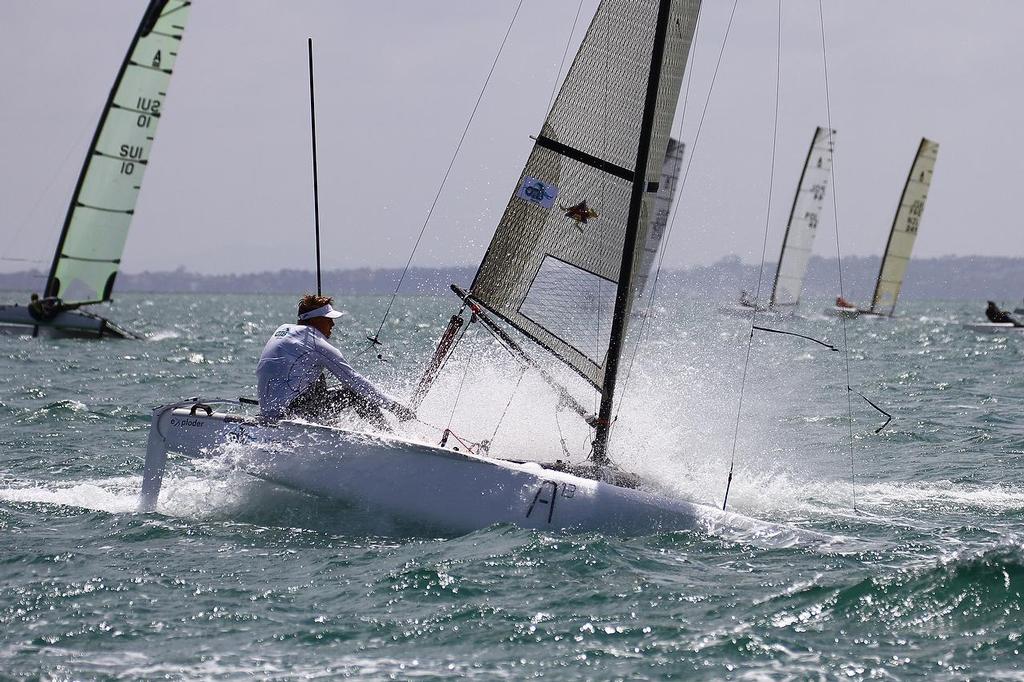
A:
293, 359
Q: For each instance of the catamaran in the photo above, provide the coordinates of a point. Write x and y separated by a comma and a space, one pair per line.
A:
88, 253
901, 237
801, 229
562, 272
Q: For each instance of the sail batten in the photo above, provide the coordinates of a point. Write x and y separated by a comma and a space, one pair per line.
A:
585, 158
554, 266
904, 229
99, 215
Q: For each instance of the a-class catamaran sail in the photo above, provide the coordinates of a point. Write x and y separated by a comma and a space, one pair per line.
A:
564, 269
88, 254
901, 237
802, 226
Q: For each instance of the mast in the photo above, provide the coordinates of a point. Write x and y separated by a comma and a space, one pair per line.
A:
147, 109
618, 329
904, 229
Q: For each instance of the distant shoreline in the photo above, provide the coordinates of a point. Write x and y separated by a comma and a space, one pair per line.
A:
947, 278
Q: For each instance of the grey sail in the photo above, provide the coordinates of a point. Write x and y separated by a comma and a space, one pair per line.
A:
89, 252
904, 229
552, 269
670, 172
803, 220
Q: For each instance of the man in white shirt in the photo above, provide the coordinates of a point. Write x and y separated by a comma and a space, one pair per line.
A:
291, 379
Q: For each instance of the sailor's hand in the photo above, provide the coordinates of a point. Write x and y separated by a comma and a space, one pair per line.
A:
403, 413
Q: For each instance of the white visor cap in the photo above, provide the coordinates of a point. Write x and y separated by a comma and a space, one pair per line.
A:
322, 311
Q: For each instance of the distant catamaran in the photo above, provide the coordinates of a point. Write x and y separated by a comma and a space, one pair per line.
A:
802, 226
901, 237
88, 253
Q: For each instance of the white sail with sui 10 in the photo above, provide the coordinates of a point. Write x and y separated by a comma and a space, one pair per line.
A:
89, 251
92, 239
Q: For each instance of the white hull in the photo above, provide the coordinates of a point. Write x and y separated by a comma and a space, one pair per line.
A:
69, 322
842, 311
440, 489
993, 327
746, 311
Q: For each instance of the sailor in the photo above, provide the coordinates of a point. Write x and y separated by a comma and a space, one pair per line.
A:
291, 373
996, 314
43, 309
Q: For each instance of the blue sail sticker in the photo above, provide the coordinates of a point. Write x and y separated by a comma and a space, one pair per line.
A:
537, 192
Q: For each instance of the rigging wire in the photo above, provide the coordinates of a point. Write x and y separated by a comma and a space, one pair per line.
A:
508, 404
764, 250
604, 185
375, 339
839, 259
462, 383
15, 238
789, 333
888, 416
565, 53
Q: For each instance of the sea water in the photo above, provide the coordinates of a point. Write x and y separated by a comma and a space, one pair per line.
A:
233, 577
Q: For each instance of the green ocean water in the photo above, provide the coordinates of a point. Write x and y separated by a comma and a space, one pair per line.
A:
234, 578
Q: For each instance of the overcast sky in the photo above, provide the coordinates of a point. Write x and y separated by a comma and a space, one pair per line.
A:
228, 188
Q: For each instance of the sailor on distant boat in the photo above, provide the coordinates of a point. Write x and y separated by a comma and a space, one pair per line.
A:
996, 314
291, 378
44, 309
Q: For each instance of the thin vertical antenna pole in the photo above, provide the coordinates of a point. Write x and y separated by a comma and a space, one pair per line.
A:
316, 189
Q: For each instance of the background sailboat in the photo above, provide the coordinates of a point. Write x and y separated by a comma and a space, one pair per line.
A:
801, 228
902, 235
88, 253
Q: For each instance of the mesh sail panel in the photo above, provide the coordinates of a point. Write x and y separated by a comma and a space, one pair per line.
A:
552, 268
904, 229
101, 211
803, 220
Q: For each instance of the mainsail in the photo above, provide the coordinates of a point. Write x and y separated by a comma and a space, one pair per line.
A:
96, 227
554, 266
670, 171
904, 229
803, 220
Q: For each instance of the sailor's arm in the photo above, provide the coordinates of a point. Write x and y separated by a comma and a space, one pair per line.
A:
337, 365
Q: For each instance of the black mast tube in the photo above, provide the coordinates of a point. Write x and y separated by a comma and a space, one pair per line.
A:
316, 189
153, 11
604, 417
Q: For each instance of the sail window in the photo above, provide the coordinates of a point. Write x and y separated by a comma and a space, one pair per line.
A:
573, 305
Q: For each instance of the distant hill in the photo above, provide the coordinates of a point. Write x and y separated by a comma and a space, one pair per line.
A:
946, 278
